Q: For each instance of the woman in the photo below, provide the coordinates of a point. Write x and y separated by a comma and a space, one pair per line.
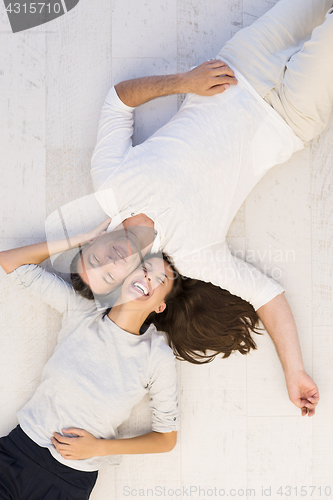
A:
100, 369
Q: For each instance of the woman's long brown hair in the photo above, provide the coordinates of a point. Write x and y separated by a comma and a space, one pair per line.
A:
202, 317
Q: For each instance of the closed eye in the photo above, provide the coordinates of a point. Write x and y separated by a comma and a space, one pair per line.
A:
109, 279
93, 260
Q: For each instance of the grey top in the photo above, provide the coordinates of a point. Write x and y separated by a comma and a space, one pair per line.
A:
97, 373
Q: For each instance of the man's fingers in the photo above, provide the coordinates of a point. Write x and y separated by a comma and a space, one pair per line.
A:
217, 65
219, 84
223, 71
308, 403
217, 62
220, 79
307, 407
216, 89
308, 411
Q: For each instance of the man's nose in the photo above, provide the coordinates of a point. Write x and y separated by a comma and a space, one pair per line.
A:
109, 259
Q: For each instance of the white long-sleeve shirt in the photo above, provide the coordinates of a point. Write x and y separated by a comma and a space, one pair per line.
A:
97, 374
191, 177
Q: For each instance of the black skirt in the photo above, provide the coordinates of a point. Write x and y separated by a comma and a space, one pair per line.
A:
29, 472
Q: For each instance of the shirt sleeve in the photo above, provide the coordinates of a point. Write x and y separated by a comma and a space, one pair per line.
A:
114, 138
49, 287
251, 284
216, 264
163, 389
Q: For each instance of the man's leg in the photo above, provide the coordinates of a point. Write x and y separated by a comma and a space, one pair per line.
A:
260, 52
304, 97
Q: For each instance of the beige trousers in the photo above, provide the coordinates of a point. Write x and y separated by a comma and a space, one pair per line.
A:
287, 56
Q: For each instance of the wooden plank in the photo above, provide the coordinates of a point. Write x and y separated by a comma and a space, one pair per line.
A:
67, 176
213, 450
253, 10
203, 28
213, 424
105, 487
154, 114
322, 453
22, 135
279, 455
144, 29
78, 75
237, 228
322, 226
322, 428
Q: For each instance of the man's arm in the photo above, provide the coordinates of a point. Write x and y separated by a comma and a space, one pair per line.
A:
210, 78
278, 320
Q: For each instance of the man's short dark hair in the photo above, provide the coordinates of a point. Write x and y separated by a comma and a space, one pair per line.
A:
78, 284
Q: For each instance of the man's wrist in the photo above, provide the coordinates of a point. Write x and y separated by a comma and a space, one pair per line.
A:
183, 83
293, 372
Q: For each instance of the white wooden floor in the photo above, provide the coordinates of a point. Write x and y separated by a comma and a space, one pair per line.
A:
238, 429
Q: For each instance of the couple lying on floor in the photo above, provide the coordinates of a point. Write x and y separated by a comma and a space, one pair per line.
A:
246, 111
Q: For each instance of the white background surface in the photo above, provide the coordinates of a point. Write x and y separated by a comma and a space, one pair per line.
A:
238, 428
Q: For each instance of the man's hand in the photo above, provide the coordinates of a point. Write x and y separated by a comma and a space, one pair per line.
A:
97, 231
210, 78
303, 392
76, 448
279, 322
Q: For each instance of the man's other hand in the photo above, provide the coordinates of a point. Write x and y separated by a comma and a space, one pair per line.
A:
303, 392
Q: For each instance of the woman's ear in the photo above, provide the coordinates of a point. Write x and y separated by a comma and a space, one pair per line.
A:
160, 308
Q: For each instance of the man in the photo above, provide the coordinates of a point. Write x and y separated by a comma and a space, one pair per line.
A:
188, 180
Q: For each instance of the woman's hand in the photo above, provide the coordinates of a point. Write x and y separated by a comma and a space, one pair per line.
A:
77, 448
210, 78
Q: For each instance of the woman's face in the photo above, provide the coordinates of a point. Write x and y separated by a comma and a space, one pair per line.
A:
147, 287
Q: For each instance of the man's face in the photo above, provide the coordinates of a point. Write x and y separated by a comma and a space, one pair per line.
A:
108, 260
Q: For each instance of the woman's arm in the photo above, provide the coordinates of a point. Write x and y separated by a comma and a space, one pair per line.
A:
37, 253
87, 446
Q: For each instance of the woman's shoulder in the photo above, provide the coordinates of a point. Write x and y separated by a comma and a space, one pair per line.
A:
159, 343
